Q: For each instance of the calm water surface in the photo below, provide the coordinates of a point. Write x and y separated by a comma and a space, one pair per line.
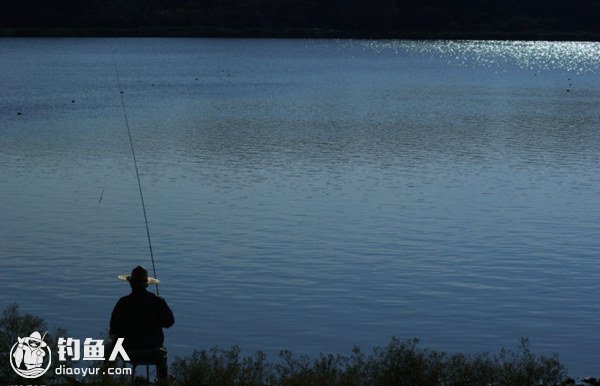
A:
309, 195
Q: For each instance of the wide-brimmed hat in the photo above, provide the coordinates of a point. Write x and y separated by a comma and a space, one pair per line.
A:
36, 336
139, 275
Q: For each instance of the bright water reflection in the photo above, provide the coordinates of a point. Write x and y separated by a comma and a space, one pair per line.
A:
309, 195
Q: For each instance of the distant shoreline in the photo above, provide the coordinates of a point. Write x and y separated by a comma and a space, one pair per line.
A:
293, 33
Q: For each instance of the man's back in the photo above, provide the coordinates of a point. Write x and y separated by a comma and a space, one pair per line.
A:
139, 318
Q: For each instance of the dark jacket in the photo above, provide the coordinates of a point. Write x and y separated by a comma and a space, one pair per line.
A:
139, 318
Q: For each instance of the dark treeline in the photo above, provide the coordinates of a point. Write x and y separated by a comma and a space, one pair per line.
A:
574, 19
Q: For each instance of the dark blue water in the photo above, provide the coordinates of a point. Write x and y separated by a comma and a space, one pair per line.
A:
309, 195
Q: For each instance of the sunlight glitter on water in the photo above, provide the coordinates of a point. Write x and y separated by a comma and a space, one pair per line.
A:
578, 57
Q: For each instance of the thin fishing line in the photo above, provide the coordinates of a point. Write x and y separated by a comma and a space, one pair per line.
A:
137, 173
100, 201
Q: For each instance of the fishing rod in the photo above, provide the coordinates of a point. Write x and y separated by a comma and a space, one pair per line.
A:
137, 173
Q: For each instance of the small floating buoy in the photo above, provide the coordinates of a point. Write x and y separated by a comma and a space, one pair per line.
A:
18, 113
568, 90
72, 100
121, 92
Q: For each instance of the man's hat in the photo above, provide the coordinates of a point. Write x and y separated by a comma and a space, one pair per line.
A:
34, 337
139, 275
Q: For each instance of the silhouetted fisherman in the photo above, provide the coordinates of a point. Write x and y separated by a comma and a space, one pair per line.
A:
139, 318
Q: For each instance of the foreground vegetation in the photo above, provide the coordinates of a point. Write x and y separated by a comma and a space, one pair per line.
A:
399, 363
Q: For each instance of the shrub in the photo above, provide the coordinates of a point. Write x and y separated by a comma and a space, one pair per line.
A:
399, 363
221, 367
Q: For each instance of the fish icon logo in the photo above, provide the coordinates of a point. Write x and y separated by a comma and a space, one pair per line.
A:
30, 357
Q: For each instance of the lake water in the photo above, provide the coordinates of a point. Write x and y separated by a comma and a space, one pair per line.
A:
309, 194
